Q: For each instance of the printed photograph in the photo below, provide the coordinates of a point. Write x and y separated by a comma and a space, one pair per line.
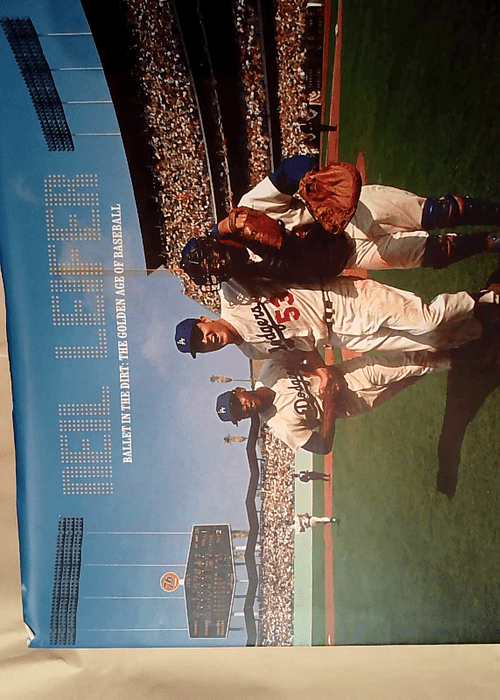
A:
250, 252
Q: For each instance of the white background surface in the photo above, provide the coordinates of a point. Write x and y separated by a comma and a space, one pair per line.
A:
454, 672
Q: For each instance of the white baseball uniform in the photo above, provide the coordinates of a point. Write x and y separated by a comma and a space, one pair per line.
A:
359, 314
369, 381
303, 521
385, 230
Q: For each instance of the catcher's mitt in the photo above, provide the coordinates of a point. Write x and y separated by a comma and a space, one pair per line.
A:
332, 194
252, 225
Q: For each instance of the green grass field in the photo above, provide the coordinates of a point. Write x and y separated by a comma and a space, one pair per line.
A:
420, 98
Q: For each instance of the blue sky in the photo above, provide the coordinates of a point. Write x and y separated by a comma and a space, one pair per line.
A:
182, 473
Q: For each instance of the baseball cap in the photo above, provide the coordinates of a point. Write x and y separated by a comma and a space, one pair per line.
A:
228, 407
188, 336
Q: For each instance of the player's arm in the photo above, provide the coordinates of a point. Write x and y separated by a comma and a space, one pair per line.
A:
321, 442
274, 195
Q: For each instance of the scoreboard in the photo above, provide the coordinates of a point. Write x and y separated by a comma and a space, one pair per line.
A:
209, 581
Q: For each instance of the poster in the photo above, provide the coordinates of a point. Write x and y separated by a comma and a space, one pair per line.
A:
123, 465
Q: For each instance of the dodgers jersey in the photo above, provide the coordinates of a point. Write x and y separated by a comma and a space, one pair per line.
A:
369, 381
297, 408
295, 320
359, 314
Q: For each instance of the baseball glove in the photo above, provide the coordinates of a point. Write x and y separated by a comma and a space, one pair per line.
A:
252, 225
331, 194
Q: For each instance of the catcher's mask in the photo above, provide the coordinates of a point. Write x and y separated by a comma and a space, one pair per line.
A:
204, 260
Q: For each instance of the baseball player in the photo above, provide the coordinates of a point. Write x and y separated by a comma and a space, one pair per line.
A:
347, 312
390, 228
291, 404
274, 235
303, 521
307, 475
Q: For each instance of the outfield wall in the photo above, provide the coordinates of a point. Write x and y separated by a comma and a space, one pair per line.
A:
303, 585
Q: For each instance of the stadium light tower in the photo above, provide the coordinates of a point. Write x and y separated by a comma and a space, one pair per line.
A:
228, 439
224, 380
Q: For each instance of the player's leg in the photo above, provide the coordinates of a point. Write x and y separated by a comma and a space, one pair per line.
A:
390, 230
447, 248
368, 315
316, 519
389, 207
400, 210
371, 380
363, 307
453, 210
386, 229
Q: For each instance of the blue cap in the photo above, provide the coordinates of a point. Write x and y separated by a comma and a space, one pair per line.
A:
188, 336
228, 406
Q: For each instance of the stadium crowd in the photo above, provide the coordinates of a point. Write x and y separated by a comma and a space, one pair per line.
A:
293, 95
252, 76
277, 544
183, 185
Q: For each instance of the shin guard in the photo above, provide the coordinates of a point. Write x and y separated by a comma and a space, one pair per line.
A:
448, 248
452, 210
